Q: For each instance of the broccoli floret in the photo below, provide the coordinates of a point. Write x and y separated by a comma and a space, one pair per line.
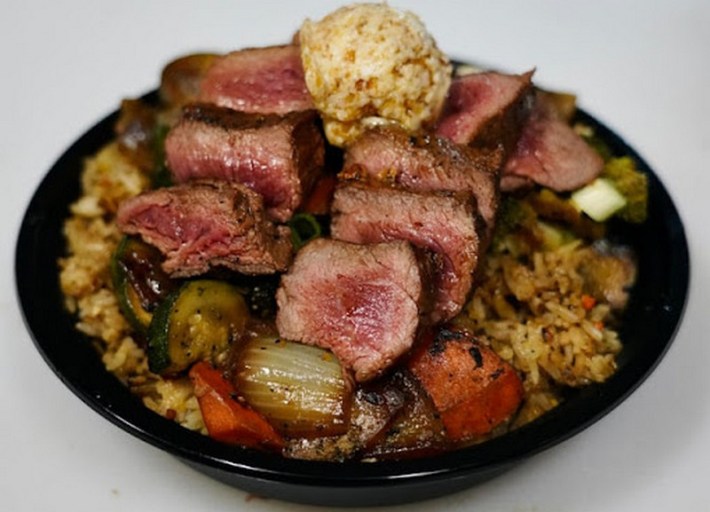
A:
514, 215
596, 142
633, 185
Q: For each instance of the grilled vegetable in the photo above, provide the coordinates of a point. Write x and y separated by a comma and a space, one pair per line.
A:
304, 228
299, 388
135, 130
375, 405
139, 281
632, 184
621, 190
600, 199
198, 321
226, 419
160, 175
552, 207
472, 388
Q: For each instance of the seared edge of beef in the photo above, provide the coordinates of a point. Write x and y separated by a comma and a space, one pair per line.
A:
426, 163
207, 224
280, 157
486, 109
441, 224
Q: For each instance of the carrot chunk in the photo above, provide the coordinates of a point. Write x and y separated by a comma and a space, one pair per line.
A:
472, 388
318, 202
226, 419
588, 302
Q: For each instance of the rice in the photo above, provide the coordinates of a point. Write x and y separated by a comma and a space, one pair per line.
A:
369, 64
85, 279
530, 309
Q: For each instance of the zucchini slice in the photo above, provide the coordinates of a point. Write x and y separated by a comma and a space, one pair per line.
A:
139, 281
196, 322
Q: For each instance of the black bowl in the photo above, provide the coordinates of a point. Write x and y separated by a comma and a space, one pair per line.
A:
653, 315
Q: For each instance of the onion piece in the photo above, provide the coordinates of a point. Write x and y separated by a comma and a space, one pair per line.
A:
299, 388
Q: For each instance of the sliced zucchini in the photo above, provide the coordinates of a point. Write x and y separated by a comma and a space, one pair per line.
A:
196, 322
139, 281
138, 315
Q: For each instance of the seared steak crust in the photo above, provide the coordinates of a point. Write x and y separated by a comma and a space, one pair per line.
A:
207, 224
486, 109
442, 224
280, 157
425, 164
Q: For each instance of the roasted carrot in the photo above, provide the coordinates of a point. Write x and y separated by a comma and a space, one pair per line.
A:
472, 388
226, 419
318, 202
588, 302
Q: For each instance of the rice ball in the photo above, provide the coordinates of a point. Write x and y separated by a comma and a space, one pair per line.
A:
370, 64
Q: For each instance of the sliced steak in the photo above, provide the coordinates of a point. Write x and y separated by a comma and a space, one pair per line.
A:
550, 153
280, 157
262, 80
424, 164
486, 109
207, 224
359, 301
442, 224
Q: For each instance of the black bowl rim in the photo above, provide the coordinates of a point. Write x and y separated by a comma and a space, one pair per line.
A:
103, 393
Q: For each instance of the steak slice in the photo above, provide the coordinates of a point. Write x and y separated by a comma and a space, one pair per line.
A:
280, 157
441, 224
550, 153
426, 163
207, 224
359, 301
261, 80
486, 109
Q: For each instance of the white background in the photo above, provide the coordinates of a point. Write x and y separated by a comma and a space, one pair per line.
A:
642, 67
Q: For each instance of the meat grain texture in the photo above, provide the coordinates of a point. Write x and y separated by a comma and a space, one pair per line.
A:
258, 80
279, 157
426, 164
442, 225
207, 224
359, 301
